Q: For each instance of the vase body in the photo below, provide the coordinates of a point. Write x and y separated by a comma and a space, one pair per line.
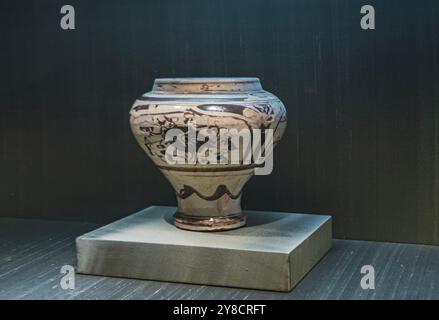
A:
208, 194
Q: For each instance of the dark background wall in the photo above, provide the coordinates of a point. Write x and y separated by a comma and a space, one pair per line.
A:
363, 135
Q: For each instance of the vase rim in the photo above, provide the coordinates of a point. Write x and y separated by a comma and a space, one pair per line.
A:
207, 80
207, 85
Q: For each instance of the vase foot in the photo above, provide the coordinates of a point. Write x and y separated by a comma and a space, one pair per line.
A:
218, 223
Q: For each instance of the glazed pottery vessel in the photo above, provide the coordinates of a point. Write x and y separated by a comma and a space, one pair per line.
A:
208, 194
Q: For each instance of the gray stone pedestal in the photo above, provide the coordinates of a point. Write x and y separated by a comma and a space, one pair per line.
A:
274, 251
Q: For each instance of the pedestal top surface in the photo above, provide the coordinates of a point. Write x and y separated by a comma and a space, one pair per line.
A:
265, 231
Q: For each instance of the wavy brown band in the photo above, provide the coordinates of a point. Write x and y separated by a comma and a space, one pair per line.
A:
187, 191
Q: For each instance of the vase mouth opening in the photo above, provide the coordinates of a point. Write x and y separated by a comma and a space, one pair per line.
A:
207, 85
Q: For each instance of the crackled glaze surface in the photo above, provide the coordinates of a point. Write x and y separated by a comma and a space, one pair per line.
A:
208, 195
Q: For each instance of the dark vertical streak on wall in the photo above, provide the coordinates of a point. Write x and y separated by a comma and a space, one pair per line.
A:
427, 146
363, 136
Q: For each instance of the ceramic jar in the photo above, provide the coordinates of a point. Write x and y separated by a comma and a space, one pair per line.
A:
208, 194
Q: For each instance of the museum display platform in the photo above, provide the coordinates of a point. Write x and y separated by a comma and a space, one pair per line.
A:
274, 251
34, 251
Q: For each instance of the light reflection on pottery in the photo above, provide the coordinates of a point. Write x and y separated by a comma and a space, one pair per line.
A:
208, 195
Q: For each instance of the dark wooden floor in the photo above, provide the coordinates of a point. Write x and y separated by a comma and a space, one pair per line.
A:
32, 253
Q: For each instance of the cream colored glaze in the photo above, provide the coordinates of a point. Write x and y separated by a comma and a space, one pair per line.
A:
212, 190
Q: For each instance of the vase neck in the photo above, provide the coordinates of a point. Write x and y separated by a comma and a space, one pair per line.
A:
207, 85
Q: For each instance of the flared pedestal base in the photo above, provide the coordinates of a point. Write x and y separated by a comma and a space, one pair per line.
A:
217, 223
